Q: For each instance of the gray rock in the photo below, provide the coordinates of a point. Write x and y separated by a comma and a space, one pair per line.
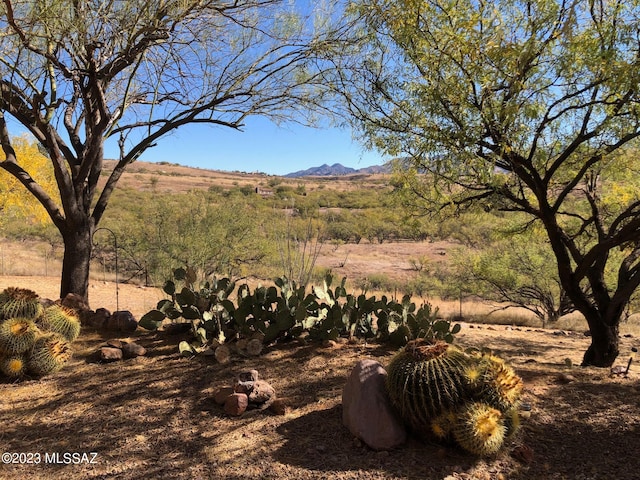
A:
366, 410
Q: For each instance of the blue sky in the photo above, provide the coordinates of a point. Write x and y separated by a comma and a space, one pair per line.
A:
262, 146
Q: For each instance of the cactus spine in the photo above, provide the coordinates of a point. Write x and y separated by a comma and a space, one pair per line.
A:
500, 386
50, 352
19, 302
62, 320
480, 429
425, 379
17, 335
13, 366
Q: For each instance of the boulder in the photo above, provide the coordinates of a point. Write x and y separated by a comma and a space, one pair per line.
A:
97, 319
121, 321
366, 410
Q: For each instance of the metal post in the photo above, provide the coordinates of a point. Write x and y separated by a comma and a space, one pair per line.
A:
115, 246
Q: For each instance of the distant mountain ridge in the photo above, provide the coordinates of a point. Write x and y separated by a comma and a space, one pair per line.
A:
337, 169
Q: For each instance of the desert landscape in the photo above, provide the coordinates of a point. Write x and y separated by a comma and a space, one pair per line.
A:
155, 417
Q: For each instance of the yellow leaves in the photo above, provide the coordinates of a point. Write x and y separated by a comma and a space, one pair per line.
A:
15, 199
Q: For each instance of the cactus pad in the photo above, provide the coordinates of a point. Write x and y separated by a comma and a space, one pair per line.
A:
49, 354
13, 366
62, 320
425, 379
17, 335
480, 429
19, 302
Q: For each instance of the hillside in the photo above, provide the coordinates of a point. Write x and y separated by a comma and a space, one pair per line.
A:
174, 178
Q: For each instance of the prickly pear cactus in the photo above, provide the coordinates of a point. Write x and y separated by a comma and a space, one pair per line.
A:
17, 335
50, 352
424, 380
480, 429
62, 320
19, 302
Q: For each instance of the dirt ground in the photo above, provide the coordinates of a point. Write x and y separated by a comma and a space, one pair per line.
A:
154, 417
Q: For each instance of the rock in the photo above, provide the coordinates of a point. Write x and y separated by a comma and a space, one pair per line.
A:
132, 349
279, 406
366, 410
122, 321
97, 319
75, 301
110, 354
254, 347
220, 397
262, 395
236, 404
223, 354
248, 376
115, 343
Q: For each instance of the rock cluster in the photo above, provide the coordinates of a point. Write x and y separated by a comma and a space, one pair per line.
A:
115, 350
102, 319
247, 393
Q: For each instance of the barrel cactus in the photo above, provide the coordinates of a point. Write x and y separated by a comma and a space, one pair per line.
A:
50, 352
498, 385
480, 429
425, 379
19, 302
17, 335
13, 366
60, 319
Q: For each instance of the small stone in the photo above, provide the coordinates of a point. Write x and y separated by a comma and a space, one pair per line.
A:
262, 394
249, 376
254, 347
223, 354
279, 407
131, 350
564, 378
328, 344
110, 354
115, 343
221, 395
236, 404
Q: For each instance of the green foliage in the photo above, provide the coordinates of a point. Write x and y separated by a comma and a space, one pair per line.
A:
285, 311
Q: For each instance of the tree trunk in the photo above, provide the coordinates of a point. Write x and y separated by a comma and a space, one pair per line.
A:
604, 344
76, 261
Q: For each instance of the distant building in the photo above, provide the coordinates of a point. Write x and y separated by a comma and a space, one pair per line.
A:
264, 192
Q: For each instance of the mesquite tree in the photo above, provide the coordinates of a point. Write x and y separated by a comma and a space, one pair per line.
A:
77, 73
530, 107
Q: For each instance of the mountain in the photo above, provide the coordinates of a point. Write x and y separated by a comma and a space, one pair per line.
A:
337, 169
